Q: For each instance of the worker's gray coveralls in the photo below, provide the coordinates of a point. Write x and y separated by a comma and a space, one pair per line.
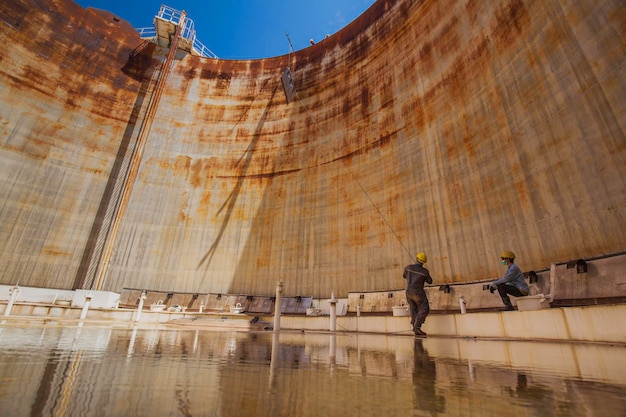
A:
416, 275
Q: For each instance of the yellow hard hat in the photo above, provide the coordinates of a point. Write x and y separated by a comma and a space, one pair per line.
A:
421, 257
507, 254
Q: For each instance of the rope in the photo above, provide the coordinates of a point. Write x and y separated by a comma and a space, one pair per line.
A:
290, 49
382, 216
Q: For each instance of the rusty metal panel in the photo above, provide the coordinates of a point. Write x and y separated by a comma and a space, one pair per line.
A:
156, 297
288, 85
217, 302
354, 300
130, 297
263, 305
289, 305
182, 300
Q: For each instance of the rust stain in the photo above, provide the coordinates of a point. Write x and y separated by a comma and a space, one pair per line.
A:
222, 78
520, 186
511, 20
16, 16
94, 171
472, 11
522, 191
262, 261
182, 213
182, 165
426, 59
197, 172
204, 204
413, 109
404, 11
447, 40
264, 175
386, 92
476, 53
381, 142
393, 202
55, 251
359, 234
468, 138
365, 100
189, 73
209, 74
35, 80
359, 47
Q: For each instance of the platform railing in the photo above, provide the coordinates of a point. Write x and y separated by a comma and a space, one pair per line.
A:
203, 50
188, 32
145, 33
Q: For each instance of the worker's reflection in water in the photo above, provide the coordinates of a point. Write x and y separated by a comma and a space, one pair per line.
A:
424, 380
538, 398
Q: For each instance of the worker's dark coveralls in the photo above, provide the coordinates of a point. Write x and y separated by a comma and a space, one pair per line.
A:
415, 276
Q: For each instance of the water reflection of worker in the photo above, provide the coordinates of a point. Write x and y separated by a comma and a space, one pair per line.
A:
416, 275
511, 283
536, 397
424, 380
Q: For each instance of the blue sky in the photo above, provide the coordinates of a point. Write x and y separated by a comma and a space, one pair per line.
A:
247, 29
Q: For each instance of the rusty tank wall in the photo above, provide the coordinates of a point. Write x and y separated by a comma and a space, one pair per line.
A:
456, 128
65, 114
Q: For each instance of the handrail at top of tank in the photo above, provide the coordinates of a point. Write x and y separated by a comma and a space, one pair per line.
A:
203, 50
146, 32
168, 13
172, 15
198, 47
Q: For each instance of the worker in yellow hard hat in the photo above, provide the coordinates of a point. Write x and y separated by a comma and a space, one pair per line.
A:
512, 282
416, 275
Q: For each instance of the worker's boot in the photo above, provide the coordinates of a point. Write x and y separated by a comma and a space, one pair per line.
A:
419, 332
507, 304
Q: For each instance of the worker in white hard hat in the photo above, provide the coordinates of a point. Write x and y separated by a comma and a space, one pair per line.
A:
512, 282
416, 275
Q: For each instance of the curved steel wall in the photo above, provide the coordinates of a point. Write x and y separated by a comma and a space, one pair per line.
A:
443, 126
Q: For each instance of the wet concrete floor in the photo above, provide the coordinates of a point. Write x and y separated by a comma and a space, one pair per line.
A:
59, 370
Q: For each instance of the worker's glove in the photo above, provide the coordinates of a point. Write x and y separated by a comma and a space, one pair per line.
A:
492, 288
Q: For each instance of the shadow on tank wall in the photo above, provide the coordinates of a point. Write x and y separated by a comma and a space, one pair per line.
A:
143, 66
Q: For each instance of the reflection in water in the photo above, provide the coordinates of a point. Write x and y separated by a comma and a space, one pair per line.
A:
87, 371
535, 396
424, 380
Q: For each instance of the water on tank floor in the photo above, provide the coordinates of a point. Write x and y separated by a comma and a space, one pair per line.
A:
52, 370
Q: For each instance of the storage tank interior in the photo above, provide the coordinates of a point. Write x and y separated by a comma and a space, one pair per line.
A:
452, 127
